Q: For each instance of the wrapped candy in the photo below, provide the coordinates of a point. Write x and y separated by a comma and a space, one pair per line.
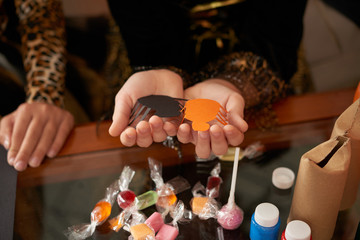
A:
102, 209
252, 151
146, 199
214, 182
126, 197
230, 215
141, 228
170, 231
166, 191
142, 201
99, 214
203, 206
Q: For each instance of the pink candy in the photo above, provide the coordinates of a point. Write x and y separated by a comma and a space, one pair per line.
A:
230, 216
155, 221
167, 232
164, 231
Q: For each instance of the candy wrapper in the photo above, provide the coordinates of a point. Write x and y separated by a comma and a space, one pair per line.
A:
166, 191
98, 215
141, 202
214, 182
126, 197
203, 206
179, 215
252, 151
141, 228
146, 199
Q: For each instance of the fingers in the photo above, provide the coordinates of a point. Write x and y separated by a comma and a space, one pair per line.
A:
170, 128
158, 133
63, 132
35, 130
219, 144
121, 115
235, 106
28, 143
43, 145
19, 131
128, 137
233, 135
6, 128
184, 133
202, 147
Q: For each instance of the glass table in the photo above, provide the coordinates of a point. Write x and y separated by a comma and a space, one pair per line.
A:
63, 191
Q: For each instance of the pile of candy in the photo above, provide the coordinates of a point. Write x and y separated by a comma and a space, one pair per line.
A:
132, 220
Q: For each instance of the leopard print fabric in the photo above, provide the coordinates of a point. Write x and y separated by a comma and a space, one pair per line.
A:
42, 31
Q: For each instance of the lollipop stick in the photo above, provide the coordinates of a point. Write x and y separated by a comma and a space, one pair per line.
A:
231, 199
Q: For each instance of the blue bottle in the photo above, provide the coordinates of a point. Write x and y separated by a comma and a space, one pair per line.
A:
265, 222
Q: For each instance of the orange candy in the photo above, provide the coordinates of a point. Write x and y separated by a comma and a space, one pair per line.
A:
101, 211
117, 222
202, 111
198, 204
166, 201
141, 232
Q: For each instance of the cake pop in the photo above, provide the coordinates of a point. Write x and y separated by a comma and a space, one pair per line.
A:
230, 215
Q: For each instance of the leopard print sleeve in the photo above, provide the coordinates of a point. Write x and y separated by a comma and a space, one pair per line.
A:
42, 30
251, 74
258, 84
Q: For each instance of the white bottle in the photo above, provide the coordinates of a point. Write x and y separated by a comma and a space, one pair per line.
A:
297, 230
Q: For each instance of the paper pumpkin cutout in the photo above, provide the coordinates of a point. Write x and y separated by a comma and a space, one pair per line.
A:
161, 105
201, 111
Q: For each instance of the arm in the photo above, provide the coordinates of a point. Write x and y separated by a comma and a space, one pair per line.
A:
39, 126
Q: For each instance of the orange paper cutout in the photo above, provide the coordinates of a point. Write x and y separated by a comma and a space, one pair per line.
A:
202, 111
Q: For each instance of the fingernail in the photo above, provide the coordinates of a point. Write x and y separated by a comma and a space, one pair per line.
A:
20, 166
6, 143
216, 134
11, 160
204, 134
51, 154
34, 162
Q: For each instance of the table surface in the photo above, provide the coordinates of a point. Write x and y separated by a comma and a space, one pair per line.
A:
63, 191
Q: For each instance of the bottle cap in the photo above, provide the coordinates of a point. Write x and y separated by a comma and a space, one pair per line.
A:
266, 215
283, 178
297, 230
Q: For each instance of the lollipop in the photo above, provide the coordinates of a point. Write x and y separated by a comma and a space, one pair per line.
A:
230, 215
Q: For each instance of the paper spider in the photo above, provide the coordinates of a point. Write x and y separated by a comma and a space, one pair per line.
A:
161, 105
202, 111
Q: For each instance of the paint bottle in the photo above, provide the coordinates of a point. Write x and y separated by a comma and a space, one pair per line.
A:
297, 230
265, 222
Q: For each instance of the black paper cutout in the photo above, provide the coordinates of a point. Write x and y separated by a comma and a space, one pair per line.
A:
160, 105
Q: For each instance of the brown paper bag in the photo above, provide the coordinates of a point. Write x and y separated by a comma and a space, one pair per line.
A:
325, 183
348, 124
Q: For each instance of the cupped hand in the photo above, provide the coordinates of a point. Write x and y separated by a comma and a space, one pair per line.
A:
153, 82
33, 131
217, 138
